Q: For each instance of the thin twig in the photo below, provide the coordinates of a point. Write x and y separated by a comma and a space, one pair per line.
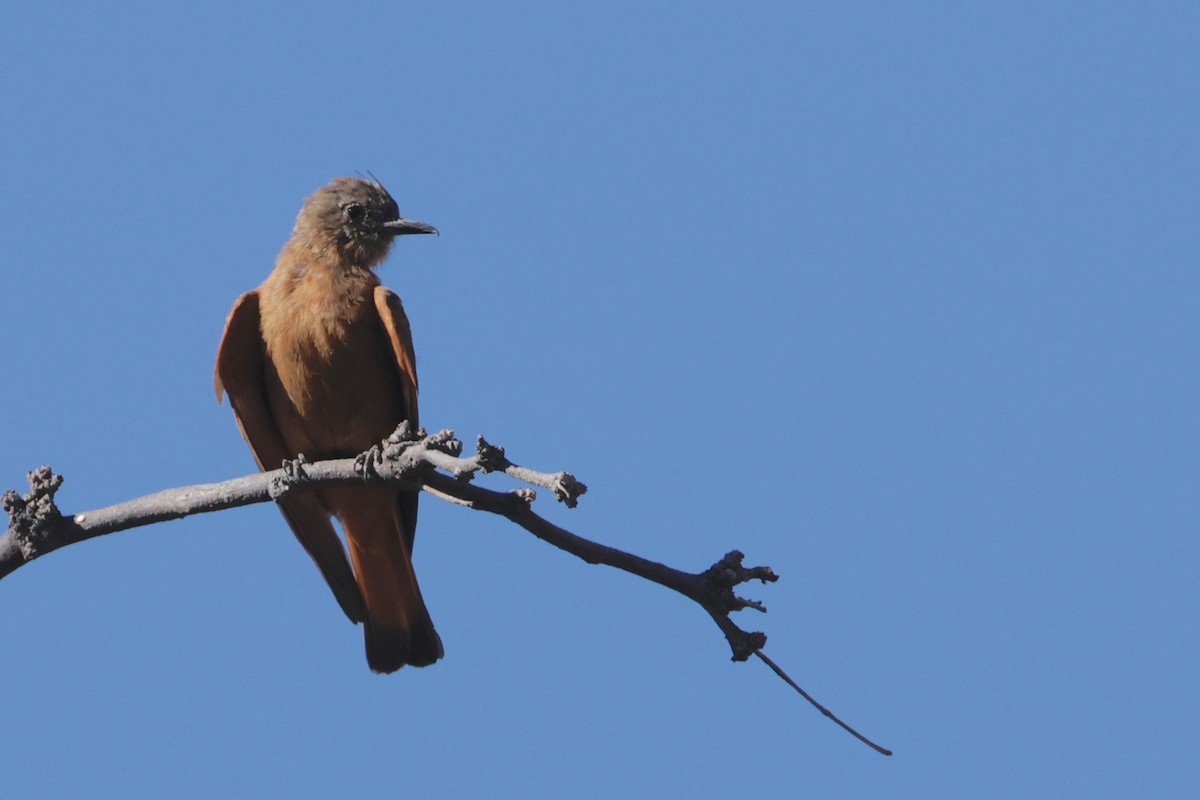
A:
818, 706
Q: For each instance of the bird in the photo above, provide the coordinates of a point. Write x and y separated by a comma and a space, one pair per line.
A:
318, 362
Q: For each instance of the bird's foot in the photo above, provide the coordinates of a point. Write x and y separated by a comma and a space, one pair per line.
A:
367, 463
292, 475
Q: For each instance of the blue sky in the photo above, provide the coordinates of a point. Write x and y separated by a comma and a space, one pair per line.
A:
899, 299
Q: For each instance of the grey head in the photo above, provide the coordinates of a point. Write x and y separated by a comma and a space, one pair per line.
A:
357, 217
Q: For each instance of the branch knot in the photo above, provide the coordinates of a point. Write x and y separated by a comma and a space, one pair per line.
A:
34, 516
490, 457
721, 578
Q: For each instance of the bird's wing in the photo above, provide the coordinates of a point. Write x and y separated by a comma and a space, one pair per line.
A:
395, 325
240, 372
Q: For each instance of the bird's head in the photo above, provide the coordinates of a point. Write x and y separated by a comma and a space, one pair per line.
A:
357, 217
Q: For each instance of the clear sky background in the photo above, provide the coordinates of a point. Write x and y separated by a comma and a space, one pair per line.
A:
899, 299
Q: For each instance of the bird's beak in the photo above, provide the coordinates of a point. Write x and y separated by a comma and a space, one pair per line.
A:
399, 227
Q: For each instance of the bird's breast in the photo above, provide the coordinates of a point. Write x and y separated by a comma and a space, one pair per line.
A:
333, 370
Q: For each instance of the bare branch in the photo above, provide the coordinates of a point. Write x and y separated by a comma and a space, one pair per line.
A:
405, 459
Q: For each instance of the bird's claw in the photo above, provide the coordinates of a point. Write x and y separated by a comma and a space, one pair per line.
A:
366, 464
293, 475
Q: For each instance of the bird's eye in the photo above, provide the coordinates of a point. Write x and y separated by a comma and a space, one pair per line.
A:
355, 212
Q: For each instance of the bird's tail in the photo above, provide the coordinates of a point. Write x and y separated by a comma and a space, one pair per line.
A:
398, 628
